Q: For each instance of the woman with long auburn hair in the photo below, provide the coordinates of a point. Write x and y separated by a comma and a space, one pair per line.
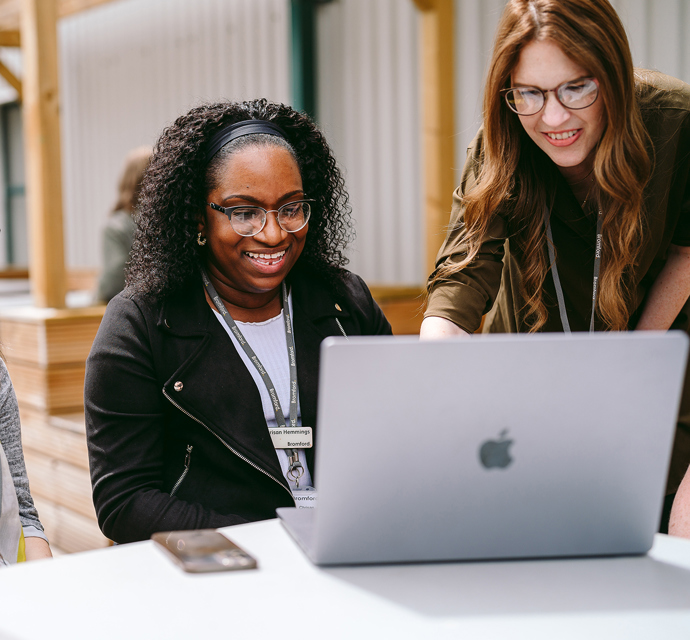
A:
576, 189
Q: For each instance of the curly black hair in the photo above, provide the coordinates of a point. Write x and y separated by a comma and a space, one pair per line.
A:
165, 254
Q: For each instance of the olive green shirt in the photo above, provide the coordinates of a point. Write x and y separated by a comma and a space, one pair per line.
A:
491, 283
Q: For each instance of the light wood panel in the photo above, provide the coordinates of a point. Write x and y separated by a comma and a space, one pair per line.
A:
49, 337
10, 10
67, 530
437, 53
10, 39
57, 466
42, 432
405, 316
10, 14
57, 389
13, 273
42, 152
59, 482
403, 306
46, 351
83, 279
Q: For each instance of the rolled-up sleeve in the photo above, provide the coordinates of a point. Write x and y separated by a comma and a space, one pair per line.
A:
465, 296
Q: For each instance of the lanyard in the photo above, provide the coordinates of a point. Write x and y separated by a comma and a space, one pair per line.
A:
556, 278
295, 467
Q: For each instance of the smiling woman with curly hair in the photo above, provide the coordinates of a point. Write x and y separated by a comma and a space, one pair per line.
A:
211, 351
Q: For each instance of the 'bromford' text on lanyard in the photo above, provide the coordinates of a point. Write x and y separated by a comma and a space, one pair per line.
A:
286, 437
556, 278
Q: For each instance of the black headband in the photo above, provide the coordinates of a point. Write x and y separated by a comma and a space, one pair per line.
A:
238, 129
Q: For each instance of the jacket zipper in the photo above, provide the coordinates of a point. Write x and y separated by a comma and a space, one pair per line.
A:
226, 445
187, 460
340, 326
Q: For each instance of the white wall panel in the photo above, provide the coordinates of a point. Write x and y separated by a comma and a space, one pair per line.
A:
131, 67
11, 57
657, 30
658, 34
368, 97
475, 23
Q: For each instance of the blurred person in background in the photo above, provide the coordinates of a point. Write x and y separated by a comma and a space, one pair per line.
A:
573, 213
119, 229
212, 350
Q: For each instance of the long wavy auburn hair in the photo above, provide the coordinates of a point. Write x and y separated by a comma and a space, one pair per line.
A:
510, 182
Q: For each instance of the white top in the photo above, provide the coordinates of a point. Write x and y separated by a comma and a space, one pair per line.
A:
268, 341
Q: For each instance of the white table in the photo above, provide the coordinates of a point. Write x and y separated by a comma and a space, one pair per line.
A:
134, 591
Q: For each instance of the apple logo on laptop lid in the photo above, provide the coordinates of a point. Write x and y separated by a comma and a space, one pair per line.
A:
494, 453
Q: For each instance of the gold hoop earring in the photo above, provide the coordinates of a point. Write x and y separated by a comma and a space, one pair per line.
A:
200, 241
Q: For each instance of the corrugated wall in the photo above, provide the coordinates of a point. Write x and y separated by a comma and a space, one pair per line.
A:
131, 67
368, 96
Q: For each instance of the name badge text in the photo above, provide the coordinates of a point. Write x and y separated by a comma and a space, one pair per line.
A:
291, 437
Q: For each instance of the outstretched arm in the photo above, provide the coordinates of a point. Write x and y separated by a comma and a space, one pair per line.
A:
434, 328
36, 548
679, 523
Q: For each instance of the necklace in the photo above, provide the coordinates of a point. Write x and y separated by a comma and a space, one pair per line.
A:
589, 192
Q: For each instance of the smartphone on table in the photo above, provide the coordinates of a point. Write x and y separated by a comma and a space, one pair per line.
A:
204, 550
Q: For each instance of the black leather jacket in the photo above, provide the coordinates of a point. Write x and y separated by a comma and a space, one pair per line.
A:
176, 433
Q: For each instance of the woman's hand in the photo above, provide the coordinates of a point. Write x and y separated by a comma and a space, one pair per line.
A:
36, 549
679, 524
434, 328
669, 292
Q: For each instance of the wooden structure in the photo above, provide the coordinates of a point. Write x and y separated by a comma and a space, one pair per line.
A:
403, 306
42, 151
437, 117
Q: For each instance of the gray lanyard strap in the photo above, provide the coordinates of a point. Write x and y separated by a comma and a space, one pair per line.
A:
556, 278
295, 465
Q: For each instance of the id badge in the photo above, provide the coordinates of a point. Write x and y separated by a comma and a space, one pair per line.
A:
291, 437
305, 498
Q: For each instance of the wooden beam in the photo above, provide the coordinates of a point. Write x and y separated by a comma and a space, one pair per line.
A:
10, 11
12, 80
10, 39
438, 120
403, 306
42, 152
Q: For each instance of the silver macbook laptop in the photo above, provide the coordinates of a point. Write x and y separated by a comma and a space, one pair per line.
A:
491, 447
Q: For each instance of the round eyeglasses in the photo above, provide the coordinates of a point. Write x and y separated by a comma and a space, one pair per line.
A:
576, 94
249, 220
